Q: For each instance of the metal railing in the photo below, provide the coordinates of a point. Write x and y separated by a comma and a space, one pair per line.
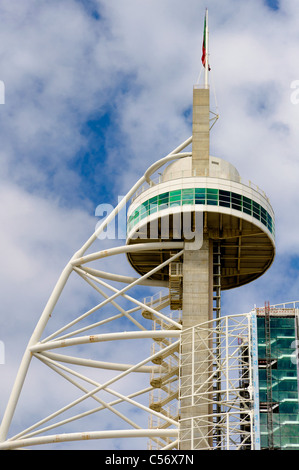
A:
191, 173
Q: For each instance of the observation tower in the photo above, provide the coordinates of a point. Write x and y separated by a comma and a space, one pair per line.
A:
194, 228
226, 226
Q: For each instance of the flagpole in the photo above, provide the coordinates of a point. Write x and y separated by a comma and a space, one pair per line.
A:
207, 52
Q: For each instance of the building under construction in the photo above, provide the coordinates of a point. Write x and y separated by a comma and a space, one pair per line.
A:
277, 333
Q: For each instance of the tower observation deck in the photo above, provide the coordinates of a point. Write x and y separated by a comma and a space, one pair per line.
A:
236, 215
194, 229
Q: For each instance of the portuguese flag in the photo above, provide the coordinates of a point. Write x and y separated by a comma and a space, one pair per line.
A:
204, 45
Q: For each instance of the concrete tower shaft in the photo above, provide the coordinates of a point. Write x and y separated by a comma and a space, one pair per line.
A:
197, 293
201, 131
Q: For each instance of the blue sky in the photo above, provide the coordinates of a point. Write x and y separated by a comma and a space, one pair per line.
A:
273, 4
96, 91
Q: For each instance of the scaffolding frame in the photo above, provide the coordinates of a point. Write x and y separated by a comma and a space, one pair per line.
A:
224, 380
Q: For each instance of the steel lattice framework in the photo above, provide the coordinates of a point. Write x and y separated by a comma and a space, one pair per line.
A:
108, 328
139, 408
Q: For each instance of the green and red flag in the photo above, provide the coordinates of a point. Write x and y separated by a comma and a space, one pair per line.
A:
204, 44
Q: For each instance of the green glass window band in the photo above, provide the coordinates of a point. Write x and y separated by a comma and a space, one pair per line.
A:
208, 196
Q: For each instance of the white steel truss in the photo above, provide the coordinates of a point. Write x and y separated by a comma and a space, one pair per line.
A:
116, 320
